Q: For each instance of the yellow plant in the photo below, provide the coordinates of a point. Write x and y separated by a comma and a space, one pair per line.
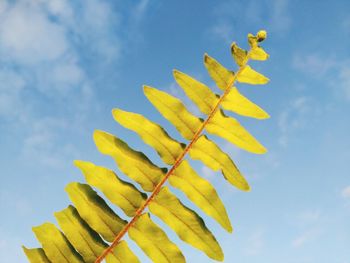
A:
93, 232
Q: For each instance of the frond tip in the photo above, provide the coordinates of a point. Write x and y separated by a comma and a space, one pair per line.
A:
92, 231
261, 35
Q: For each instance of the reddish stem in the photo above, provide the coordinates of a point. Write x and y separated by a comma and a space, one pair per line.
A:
172, 169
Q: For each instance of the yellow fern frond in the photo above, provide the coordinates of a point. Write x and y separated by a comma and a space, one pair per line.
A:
93, 231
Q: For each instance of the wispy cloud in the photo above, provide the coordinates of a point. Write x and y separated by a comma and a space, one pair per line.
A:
230, 15
139, 11
280, 19
345, 193
52, 56
295, 117
44, 47
256, 243
9, 246
313, 64
305, 237
11, 89
28, 36
224, 30
15, 202
334, 71
309, 222
42, 142
344, 81
43, 41
135, 22
308, 217
36, 50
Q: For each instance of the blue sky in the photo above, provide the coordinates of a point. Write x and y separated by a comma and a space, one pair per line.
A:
65, 64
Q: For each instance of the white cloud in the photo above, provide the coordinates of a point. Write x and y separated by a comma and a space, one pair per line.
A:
333, 71
43, 41
310, 224
294, 117
44, 144
11, 86
274, 14
3, 6
308, 217
97, 9
10, 248
101, 29
255, 243
223, 30
28, 36
16, 202
346, 192
139, 11
280, 20
59, 8
64, 78
67, 73
305, 237
48, 49
37, 49
344, 81
300, 104
313, 64
44, 47
134, 23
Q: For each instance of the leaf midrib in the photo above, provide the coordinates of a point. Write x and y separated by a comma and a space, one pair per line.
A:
177, 163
